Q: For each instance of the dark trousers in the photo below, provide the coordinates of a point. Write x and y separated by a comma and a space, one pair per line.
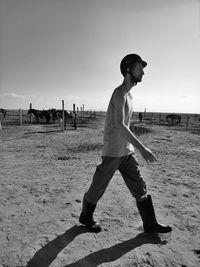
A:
129, 169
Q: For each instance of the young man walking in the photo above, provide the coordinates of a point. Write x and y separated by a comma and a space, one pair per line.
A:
118, 153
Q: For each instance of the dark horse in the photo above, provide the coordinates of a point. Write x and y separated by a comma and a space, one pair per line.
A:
3, 111
174, 118
57, 114
69, 116
40, 114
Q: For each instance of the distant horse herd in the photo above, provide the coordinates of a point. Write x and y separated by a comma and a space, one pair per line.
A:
51, 114
57, 114
173, 118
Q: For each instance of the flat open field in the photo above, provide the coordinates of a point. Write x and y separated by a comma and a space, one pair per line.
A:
44, 173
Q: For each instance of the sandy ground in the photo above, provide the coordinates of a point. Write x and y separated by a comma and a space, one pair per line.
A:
44, 174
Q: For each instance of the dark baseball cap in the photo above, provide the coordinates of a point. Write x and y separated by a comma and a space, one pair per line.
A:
130, 59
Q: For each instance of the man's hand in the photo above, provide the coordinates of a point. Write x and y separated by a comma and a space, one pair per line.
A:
147, 155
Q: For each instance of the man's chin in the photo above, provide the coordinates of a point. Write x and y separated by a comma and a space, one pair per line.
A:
136, 80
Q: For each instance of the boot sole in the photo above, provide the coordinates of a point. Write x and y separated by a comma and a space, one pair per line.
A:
158, 231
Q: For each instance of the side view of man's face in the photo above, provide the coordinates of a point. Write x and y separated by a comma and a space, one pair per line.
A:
137, 72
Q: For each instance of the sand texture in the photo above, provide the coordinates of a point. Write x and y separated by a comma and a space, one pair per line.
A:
44, 174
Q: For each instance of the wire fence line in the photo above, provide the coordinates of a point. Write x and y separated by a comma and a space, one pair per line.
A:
21, 117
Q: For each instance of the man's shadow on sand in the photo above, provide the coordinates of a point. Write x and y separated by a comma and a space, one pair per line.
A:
48, 253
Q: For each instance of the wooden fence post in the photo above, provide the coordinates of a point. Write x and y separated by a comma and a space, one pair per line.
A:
63, 116
132, 115
144, 115
187, 122
159, 119
83, 110
20, 117
152, 117
31, 113
75, 121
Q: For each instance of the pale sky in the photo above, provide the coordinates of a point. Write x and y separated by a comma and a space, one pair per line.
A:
54, 50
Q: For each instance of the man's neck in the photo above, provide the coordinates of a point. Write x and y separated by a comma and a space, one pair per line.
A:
127, 84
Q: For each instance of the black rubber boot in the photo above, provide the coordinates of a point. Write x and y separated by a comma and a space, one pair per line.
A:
147, 214
86, 217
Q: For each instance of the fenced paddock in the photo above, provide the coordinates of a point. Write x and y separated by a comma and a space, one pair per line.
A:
21, 117
189, 122
88, 118
13, 117
17, 117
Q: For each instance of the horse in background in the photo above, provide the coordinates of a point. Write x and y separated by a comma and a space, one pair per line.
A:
40, 114
47, 115
174, 118
57, 114
3, 111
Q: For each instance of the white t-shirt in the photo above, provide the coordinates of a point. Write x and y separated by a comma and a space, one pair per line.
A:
114, 144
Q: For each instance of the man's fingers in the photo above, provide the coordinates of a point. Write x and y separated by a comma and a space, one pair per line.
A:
154, 157
149, 156
150, 159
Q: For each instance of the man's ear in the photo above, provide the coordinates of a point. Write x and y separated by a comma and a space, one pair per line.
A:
128, 70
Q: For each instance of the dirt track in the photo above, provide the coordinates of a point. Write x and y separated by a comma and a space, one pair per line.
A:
44, 174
